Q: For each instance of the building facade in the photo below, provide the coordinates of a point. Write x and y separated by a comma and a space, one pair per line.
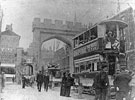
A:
9, 42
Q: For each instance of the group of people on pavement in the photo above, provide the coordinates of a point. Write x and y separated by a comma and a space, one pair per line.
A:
66, 83
124, 84
42, 79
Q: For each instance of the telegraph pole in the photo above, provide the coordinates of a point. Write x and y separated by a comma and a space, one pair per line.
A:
118, 7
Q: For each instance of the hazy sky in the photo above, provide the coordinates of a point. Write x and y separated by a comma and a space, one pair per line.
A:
21, 13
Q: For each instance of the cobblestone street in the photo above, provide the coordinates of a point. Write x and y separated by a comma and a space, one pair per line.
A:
15, 92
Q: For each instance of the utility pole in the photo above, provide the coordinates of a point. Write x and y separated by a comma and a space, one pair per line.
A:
118, 7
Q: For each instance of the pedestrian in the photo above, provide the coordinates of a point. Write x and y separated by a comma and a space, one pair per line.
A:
39, 80
46, 81
23, 81
63, 85
101, 84
68, 84
3, 79
121, 83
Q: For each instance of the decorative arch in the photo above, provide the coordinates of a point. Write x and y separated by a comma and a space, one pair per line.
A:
59, 38
50, 29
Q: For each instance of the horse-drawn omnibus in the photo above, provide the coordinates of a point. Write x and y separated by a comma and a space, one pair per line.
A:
103, 42
54, 75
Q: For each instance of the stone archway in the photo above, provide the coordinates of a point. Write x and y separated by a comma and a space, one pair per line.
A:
59, 57
49, 29
61, 38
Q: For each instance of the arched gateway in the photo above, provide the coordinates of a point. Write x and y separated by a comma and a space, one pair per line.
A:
49, 29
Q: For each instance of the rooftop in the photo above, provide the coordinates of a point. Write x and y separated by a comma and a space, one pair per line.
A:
9, 32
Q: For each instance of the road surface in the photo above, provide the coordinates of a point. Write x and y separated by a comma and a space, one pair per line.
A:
15, 92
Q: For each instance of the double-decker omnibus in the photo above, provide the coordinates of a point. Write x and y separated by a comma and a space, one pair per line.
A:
102, 43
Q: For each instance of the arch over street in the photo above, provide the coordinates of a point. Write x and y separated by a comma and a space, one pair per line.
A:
57, 29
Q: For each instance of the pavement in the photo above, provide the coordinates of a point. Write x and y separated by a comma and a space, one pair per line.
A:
15, 92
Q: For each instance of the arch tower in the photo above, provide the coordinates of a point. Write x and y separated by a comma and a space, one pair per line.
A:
50, 29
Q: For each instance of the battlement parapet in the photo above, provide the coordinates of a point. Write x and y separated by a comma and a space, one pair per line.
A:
57, 24
47, 21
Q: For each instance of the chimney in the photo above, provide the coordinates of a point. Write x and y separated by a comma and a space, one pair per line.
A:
9, 27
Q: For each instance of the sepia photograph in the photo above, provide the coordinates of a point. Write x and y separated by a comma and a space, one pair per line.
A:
67, 49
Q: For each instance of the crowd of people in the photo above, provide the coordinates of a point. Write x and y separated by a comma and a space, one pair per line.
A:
124, 84
66, 82
39, 78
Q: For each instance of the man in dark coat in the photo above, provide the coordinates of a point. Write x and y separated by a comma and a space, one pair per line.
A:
69, 83
39, 80
23, 81
46, 81
63, 85
121, 83
101, 84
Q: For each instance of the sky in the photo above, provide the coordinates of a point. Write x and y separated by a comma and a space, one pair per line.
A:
21, 13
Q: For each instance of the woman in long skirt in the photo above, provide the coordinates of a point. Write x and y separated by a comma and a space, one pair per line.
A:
63, 85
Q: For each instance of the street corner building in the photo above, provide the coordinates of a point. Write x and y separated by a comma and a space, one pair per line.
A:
9, 43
